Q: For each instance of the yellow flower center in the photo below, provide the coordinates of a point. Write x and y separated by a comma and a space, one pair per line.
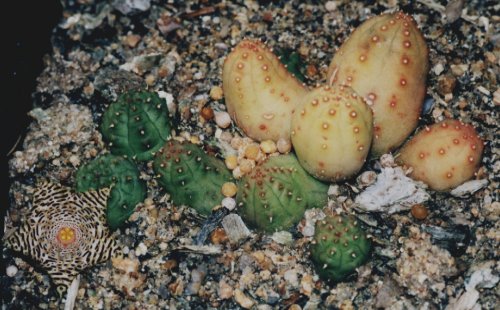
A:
66, 236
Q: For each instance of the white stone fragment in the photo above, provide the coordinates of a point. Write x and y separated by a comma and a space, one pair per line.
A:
438, 69
169, 98
282, 237
331, 6
235, 228
306, 227
229, 203
222, 119
11, 271
469, 188
142, 63
72, 293
141, 249
466, 301
482, 276
392, 192
367, 178
387, 160
131, 6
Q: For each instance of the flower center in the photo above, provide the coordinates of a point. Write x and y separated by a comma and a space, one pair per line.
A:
66, 236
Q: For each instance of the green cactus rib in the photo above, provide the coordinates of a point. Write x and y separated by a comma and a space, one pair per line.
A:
340, 246
192, 177
136, 125
120, 174
275, 195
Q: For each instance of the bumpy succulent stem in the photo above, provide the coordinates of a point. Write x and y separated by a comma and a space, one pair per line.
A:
191, 176
136, 125
386, 61
339, 247
332, 132
443, 155
120, 174
276, 193
260, 93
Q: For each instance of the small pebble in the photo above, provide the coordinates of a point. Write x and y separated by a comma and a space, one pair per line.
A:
141, 249
218, 236
237, 173
225, 290
284, 146
150, 80
229, 189
252, 151
268, 146
222, 119
243, 300
246, 165
231, 162
419, 211
11, 271
331, 6
216, 93
229, 203
133, 39
207, 113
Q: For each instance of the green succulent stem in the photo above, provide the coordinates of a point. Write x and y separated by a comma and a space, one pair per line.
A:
122, 176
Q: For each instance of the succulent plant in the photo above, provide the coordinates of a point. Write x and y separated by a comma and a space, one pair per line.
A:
339, 247
386, 61
443, 155
192, 177
260, 93
136, 125
127, 190
332, 132
276, 193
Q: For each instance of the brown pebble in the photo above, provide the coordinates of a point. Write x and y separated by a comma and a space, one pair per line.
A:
311, 70
218, 236
419, 212
267, 17
169, 264
207, 113
133, 39
446, 84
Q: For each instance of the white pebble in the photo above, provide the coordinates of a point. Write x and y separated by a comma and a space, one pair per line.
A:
284, 146
331, 6
438, 69
141, 249
11, 271
222, 119
229, 203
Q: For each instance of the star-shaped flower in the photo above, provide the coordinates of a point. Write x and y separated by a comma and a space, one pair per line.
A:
65, 232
